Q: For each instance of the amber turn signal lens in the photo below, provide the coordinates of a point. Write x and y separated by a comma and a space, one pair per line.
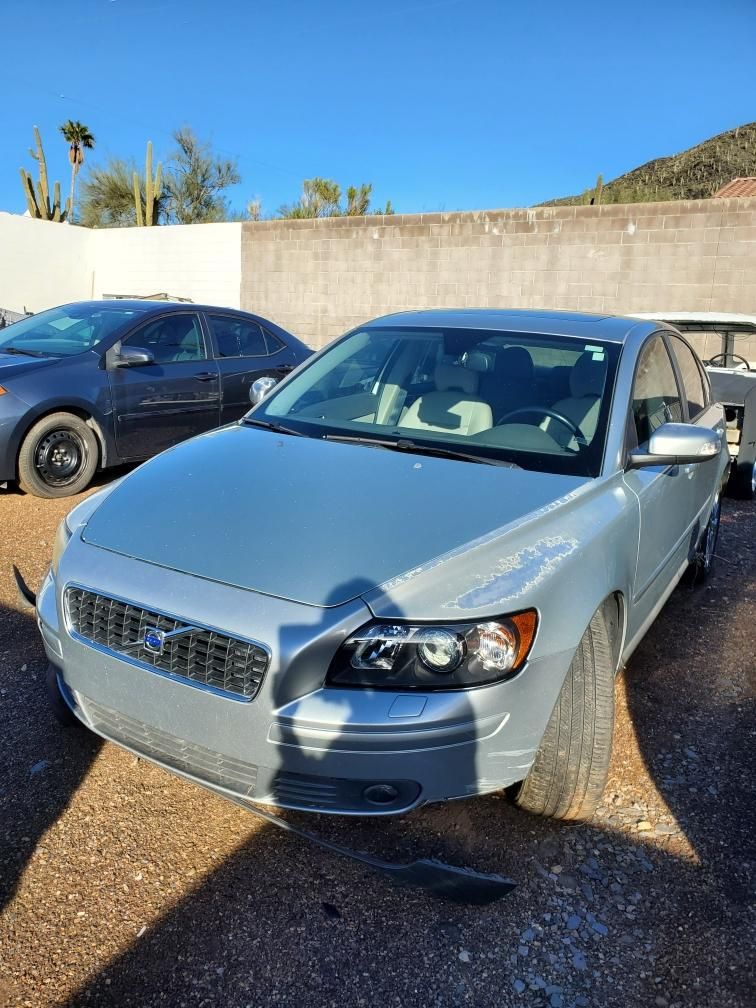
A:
526, 623
3, 390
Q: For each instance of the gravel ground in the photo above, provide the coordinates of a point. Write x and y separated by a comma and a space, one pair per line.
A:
121, 885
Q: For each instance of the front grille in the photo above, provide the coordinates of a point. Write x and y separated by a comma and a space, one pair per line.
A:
200, 656
171, 750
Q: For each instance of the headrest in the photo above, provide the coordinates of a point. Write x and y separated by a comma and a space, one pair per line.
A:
515, 363
452, 376
587, 376
476, 360
176, 326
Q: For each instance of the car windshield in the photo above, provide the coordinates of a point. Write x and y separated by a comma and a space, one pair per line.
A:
532, 400
63, 332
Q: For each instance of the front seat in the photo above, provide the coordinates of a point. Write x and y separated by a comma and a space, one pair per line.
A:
582, 406
454, 407
511, 384
178, 341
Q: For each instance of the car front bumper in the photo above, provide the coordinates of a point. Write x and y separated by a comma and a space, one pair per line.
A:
298, 744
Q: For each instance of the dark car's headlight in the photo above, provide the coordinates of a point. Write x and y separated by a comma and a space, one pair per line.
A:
439, 656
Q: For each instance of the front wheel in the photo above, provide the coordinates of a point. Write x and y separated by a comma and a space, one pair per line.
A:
58, 456
569, 773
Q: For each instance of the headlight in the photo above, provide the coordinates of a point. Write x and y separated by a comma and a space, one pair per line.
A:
62, 538
443, 656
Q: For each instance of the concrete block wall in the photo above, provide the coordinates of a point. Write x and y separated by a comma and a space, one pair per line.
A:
320, 277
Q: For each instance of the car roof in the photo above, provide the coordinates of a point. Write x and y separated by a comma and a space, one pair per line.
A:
145, 305
707, 318
610, 328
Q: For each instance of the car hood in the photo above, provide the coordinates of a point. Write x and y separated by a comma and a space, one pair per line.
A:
12, 366
314, 521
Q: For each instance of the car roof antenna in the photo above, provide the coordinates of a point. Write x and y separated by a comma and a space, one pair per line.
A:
459, 885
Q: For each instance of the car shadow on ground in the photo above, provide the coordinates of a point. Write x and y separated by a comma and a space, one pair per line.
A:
605, 913
44, 763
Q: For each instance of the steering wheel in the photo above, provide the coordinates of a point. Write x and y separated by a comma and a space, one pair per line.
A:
545, 411
724, 357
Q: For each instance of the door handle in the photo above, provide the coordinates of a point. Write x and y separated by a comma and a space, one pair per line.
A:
205, 376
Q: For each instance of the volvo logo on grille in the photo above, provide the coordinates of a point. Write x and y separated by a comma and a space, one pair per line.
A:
154, 640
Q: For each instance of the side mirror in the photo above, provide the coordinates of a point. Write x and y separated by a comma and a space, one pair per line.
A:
133, 357
677, 444
260, 388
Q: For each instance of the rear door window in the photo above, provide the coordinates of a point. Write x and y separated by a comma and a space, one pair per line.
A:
235, 337
656, 396
692, 379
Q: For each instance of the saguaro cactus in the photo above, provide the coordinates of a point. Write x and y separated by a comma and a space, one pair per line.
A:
147, 210
38, 194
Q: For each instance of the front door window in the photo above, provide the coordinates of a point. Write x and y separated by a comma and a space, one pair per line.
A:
170, 339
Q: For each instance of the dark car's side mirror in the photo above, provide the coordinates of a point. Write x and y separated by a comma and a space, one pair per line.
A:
129, 356
260, 388
677, 444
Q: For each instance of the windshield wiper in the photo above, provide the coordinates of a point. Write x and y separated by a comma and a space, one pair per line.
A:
24, 353
408, 445
275, 427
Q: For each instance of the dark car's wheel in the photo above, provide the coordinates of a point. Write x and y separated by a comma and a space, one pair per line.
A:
702, 564
743, 481
568, 776
58, 456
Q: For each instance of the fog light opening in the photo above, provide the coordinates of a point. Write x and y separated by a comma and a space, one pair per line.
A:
380, 794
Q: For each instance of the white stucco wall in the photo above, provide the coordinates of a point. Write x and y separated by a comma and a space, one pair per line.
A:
44, 264
41, 264
197, 261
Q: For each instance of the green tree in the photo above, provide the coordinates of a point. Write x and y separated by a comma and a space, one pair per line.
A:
322, 198
195, 181
107, 195
79, 139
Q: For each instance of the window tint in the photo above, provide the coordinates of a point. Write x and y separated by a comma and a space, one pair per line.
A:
695, 392
170, 339
656, 397
239, 338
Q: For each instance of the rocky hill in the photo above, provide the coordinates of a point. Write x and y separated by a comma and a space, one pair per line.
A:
696, 173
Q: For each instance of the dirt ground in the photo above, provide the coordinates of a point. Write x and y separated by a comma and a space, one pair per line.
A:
122, 885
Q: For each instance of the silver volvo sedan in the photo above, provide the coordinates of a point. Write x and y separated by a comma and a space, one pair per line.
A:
408, 575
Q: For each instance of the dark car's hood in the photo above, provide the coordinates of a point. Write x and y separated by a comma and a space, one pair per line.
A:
314, 521
13, 366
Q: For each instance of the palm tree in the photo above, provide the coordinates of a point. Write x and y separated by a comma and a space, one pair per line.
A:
78, 137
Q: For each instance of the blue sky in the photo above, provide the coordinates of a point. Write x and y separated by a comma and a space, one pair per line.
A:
441, 104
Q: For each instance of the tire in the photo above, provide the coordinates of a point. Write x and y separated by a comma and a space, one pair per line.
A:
569, 773
58, 456
60, 709
702, 564
743, 481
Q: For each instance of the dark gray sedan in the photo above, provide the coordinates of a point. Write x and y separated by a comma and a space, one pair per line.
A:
98, 383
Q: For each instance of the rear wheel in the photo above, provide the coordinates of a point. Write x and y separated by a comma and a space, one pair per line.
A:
569, 773
58, 456
702, 564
